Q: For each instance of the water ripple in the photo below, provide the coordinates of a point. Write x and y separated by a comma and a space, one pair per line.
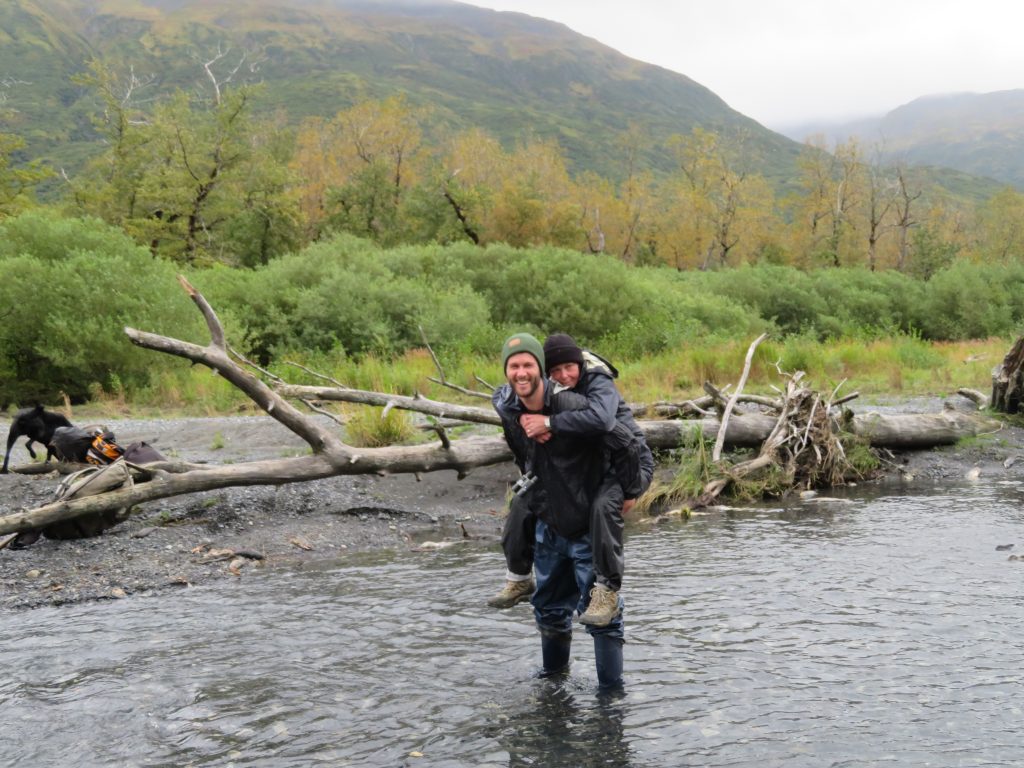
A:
884, 632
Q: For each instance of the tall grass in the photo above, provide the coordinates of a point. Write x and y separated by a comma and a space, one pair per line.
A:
903, 365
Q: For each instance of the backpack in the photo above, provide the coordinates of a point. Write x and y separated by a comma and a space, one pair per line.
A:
142, 453
72, 443
86, 445
91, 481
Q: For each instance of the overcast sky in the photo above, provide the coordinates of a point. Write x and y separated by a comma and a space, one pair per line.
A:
784, 62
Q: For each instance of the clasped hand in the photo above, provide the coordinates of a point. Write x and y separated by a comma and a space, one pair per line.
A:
533, 426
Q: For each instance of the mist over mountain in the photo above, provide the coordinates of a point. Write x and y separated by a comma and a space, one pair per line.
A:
981, 134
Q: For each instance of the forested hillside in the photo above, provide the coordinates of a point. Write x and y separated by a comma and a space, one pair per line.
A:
515, 76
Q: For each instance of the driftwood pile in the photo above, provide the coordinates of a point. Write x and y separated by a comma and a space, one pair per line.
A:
799, 438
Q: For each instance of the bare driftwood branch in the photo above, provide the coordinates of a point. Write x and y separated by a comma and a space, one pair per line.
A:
718, 398
491, 387
311, 372
67, 467
416, 403
980, 399
443, 380
699, 406
844, 399
720, 440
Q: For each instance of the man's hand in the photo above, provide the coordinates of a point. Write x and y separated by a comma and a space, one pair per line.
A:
627, 506
533, 426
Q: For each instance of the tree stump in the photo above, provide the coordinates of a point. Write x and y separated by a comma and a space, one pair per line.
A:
1008, 381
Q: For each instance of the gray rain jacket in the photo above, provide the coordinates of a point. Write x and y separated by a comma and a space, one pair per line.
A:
605, 412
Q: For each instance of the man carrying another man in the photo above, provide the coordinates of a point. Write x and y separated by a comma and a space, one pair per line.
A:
575, 482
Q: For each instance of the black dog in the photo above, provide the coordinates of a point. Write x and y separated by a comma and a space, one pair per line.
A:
38, 426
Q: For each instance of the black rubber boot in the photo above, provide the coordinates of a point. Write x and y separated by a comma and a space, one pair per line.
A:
608, 655
554, 649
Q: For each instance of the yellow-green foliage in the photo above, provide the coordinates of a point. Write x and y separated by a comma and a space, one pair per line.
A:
191, 389
900, 365
886, 366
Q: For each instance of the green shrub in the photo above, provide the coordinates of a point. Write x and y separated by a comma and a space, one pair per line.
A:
342, 295
969, 301
867, 303
70, 302
785, 296
913, 353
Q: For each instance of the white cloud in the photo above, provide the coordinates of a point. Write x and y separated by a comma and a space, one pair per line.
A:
786, 61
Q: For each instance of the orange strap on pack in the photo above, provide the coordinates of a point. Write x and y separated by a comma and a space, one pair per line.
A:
103, 451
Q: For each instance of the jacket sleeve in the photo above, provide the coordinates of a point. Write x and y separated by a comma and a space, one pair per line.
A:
598, 417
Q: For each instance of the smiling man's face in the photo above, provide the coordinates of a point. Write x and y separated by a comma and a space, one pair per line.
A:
523, 373
566, 374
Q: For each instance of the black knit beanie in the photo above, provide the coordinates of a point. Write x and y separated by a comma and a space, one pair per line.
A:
561, 348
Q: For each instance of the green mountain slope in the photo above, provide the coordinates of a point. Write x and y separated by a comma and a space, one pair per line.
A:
978, 133
512, 74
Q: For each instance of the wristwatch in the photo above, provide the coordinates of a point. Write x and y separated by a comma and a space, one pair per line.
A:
547, 423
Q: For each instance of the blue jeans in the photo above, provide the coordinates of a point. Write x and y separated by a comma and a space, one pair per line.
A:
565, 576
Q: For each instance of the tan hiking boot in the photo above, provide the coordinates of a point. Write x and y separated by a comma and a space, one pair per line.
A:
603, 608
512, 593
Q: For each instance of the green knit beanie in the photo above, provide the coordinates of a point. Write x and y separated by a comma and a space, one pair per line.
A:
522, 342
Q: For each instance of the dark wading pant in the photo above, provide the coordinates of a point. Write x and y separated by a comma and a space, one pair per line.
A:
518, 534
606, 524
606, 534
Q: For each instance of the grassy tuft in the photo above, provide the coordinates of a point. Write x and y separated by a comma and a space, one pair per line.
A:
368, 427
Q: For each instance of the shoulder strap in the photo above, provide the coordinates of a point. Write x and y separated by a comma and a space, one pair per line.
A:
595, 362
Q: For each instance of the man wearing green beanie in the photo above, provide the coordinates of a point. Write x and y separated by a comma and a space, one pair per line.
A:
570, 470
596, 410
522, 342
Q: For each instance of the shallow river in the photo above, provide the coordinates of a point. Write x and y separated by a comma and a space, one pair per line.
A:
886, 630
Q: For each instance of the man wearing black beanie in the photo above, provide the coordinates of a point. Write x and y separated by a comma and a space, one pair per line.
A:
560, 348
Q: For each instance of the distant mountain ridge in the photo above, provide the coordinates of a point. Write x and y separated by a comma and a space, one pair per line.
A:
514, 75
977, 133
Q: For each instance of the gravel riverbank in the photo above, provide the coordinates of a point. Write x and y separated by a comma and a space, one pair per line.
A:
190, 540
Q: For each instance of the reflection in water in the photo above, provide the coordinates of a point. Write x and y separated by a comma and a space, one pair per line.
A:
553, 728
877, 631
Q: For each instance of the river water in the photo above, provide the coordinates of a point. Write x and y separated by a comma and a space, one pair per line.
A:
880, 630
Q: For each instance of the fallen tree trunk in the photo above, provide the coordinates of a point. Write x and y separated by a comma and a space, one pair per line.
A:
464, 454
332, 457
916, 431
892, 431
895, 431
